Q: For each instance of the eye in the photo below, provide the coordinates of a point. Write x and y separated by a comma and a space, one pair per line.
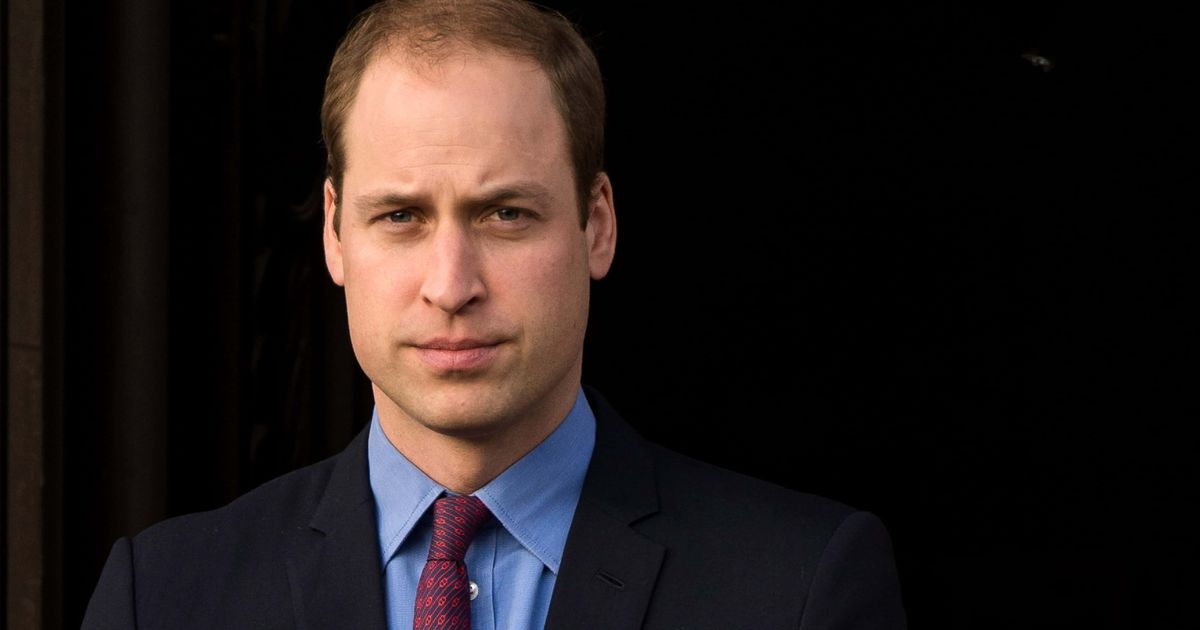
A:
510, 220
400, 216
509, 214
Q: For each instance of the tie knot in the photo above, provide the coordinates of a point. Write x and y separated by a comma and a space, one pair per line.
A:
455, 521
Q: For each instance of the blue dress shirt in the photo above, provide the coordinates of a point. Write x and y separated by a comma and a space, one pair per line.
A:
514, 558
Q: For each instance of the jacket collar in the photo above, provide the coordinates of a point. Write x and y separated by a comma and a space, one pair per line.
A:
609, 570
334, 571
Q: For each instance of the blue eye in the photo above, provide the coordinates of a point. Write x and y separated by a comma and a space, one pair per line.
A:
400, 216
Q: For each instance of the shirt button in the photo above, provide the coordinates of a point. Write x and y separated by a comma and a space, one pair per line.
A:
474, 590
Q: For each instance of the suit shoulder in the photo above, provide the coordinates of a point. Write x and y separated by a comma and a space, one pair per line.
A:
701, 476
286, 502
717, 526
228, 567
689, 480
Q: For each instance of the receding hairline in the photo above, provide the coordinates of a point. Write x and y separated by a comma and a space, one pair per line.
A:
428, 63
407, 49
430, 71
424, 34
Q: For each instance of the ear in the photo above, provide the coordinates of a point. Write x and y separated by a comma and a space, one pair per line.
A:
601, 227
333, 242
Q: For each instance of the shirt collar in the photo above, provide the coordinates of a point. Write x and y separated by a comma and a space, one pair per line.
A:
534, 499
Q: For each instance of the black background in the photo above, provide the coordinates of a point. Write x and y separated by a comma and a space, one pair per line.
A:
875, 254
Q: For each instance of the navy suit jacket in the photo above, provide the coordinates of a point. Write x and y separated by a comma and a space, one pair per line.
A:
658, 541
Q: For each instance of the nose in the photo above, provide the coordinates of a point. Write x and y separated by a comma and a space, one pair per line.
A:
453, 275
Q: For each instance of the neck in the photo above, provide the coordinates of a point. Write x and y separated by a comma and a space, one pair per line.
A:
466, 463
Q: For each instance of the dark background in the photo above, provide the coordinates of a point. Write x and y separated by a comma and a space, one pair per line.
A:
883, 255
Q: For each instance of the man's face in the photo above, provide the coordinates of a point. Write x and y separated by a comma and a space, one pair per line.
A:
465, 268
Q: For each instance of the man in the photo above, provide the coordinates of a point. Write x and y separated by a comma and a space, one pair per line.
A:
466, 214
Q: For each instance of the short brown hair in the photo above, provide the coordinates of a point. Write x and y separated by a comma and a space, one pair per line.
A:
433, 29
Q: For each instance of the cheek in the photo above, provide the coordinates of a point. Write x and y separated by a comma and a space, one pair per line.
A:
559, 286
562, 260
375, 286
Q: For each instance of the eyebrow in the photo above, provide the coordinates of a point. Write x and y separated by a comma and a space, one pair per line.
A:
489, 196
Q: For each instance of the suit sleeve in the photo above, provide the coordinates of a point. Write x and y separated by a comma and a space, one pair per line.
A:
855, 585
111, 606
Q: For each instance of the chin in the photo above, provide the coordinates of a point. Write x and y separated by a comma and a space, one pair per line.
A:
459, 411
462, 424
466, 429
472, 408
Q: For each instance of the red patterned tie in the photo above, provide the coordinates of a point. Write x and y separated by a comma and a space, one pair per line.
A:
443, 595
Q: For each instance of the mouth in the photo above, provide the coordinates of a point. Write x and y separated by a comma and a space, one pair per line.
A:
457, 355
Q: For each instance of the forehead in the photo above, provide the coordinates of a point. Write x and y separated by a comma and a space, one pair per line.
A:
466, 106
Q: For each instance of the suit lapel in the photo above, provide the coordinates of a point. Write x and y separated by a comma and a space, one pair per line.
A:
609, 570
334, 572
